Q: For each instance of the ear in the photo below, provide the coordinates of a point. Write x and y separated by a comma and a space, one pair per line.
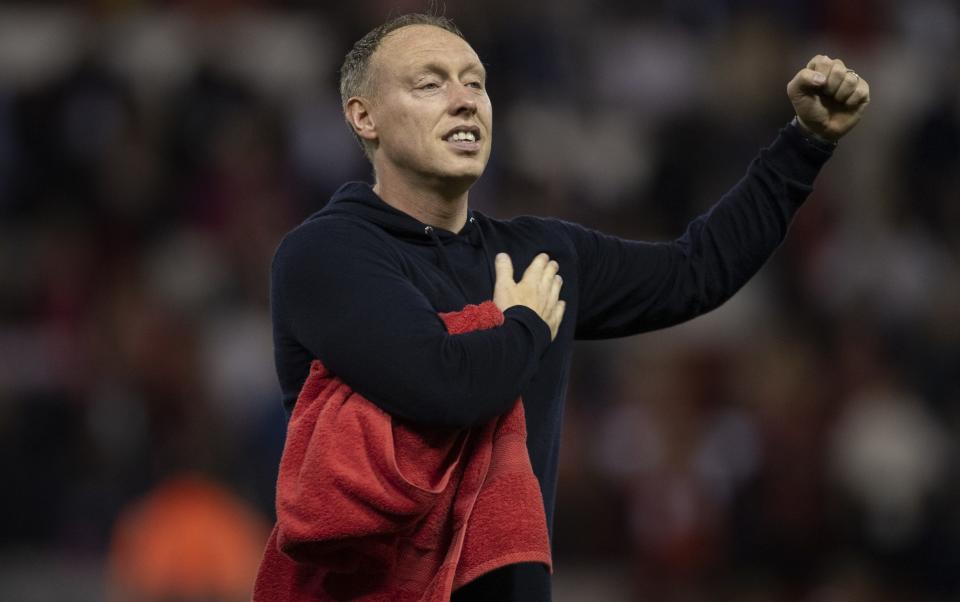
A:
358, 116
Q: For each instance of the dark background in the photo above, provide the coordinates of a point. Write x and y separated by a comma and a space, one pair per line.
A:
797, 444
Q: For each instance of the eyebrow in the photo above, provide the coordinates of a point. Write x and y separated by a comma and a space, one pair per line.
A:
439, 69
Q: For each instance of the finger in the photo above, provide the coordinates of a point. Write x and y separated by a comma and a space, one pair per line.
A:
555, 285
820, 63
847, 87
806, 81
504, 268
556, 318
860, 96
838, 72
535, 269
551, 269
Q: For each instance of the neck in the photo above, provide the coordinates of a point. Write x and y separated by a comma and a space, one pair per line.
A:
432, 205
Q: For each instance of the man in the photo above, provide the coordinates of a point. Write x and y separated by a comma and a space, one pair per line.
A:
360, 283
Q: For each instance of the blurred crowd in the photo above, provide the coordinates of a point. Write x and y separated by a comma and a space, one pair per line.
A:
796, 444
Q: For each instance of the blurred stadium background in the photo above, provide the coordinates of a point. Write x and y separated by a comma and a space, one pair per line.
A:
797, 444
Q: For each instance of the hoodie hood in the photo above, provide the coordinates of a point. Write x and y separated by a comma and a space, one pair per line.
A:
358, 199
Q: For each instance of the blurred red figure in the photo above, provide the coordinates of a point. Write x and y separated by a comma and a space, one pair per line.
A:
189, 539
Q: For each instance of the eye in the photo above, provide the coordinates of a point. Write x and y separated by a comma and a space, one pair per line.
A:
429, 86
476, 85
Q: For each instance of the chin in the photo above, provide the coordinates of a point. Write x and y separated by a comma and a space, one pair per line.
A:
471, 171
461, 180
454, 182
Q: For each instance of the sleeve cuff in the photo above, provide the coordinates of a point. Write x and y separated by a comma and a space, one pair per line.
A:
811, 136
538, 329
796, 156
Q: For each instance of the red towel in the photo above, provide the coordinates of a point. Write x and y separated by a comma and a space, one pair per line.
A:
372, 508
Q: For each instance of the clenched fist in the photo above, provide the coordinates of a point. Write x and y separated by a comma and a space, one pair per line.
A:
829, 97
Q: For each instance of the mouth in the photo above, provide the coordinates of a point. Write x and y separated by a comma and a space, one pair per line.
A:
463, 138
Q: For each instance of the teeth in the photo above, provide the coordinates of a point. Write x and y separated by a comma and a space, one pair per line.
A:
463, 137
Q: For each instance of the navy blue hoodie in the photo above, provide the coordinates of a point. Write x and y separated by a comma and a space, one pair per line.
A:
359, 284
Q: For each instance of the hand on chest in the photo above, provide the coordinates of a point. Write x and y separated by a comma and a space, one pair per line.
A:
459, 273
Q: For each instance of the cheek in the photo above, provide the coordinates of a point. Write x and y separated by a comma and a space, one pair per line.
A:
412, 128
400, 134
409, 140
486, 113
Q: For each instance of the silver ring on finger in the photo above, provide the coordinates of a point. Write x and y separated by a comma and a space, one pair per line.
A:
853, 73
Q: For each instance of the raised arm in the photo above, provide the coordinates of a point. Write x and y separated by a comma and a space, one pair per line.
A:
629, 287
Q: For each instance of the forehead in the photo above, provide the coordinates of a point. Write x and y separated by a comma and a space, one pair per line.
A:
413, 46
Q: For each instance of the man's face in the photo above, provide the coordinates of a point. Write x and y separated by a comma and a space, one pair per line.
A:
432, 113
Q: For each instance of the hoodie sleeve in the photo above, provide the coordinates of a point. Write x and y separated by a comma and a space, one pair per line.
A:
346, 300
629, 287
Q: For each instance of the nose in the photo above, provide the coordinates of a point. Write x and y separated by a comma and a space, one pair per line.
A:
462, 101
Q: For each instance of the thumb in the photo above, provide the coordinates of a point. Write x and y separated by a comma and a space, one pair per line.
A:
805, 83
504, 268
